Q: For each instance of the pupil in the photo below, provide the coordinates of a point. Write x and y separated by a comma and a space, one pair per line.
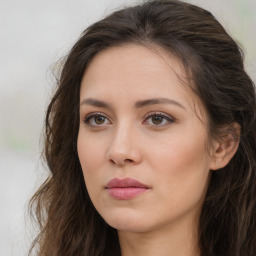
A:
99, 119
157, 119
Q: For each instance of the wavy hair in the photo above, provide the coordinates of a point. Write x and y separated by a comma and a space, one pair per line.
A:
69, 224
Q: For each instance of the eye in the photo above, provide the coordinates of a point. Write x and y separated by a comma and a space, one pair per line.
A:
96, 119
158, 119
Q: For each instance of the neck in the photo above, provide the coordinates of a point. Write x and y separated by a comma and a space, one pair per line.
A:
174, 240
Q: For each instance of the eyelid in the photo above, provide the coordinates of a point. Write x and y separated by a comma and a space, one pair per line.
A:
169, 118
87, 117
158, 113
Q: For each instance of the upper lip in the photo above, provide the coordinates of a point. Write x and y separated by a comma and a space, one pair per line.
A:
125, 183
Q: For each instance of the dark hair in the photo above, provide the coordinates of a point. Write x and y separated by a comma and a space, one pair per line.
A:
69, 223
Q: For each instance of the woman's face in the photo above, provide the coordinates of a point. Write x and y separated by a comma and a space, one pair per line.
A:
142, 140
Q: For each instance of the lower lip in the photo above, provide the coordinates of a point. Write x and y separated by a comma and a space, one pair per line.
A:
126, 193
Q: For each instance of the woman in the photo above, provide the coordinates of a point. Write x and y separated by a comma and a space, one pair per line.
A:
150, 140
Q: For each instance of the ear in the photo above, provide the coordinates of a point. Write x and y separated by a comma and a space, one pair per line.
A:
225, 148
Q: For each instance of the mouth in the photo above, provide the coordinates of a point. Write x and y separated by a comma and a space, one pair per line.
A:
125, 189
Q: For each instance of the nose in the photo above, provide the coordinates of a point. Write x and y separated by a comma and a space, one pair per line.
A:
124, 147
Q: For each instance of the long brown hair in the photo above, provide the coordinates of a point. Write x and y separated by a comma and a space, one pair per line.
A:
69, 223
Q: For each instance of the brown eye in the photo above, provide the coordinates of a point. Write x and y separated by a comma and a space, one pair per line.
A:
95, 120
157, 120
99, 119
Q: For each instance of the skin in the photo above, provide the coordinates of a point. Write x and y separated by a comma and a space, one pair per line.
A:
170, 154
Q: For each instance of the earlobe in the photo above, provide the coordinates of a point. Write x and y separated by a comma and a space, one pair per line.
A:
225, 148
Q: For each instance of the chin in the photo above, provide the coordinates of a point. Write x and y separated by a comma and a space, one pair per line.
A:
128, 222
126, 226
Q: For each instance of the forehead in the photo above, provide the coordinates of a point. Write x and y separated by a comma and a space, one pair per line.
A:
137, 72
133, 64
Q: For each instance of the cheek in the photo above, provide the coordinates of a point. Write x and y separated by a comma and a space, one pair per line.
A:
90, 153
178, 152
90, 149
182, 165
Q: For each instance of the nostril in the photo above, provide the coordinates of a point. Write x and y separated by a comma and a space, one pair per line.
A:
112, 161
121, 162
128, 160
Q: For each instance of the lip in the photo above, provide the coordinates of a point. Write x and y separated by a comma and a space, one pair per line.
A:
125, 189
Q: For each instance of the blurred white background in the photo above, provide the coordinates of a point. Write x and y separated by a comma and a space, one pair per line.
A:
33, 36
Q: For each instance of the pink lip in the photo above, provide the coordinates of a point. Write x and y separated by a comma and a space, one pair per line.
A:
124, 189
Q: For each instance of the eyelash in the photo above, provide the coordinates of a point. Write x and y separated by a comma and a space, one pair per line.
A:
168, 118
87, 118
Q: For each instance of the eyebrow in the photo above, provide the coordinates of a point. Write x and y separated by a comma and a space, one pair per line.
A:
138, 104
155, 101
